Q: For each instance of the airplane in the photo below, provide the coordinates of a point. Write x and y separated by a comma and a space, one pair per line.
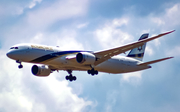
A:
51, 58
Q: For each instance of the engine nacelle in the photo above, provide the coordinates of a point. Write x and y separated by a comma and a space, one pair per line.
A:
40, 70
85, 58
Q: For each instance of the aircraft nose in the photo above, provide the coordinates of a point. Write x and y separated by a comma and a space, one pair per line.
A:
9, 54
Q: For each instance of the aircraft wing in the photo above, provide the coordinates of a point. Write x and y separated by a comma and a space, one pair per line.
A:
154, 61
107, 54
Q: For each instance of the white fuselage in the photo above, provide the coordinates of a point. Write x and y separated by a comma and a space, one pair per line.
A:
61, 60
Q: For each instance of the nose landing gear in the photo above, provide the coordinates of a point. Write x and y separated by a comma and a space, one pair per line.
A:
20, 66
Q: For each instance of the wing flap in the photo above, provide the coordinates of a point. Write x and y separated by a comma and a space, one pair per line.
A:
107, 54
154, 61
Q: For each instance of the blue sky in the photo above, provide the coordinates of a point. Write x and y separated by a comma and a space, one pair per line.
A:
90, 25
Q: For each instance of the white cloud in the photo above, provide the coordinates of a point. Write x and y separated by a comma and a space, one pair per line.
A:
38, 38
66, 40
24, 102
149, 51
170, 19
63, 97
11, 94
69, 43
21, 91
133, 78
157, 42
82, 25
33, 3
56, 11
174, 52
111, 100
173, 15
41, 19
158, 21
120, 22
11, 9
16, 8
110, 35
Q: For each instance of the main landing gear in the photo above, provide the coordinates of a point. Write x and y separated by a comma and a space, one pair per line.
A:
70, 77
92, 72
20, 66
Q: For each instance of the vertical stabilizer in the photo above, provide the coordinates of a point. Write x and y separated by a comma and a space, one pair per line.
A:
138, 53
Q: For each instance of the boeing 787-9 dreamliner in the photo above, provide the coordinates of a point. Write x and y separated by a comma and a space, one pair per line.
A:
53, 58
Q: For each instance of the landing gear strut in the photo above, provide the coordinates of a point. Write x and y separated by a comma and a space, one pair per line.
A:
70, 77
20, 66
92, 72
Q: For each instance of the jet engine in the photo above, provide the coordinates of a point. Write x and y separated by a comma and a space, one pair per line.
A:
85, 58
41, 70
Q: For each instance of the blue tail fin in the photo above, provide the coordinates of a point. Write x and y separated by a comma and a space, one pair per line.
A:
138, 53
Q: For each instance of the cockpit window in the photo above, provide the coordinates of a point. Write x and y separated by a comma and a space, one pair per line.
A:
14, 48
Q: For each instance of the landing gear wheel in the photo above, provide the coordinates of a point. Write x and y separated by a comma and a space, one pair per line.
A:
70, 77
67, 77
92, 72
89, 71
96, 72
20, 66
74, 78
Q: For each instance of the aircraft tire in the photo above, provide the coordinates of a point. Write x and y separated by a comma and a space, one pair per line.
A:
96, 72
67, 77
92, 72
71, 78
89, 71
74, 78
20, 66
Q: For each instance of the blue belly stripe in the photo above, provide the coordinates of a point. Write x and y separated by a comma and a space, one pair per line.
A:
53, 55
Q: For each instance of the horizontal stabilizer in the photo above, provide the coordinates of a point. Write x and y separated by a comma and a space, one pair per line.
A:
154, 61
